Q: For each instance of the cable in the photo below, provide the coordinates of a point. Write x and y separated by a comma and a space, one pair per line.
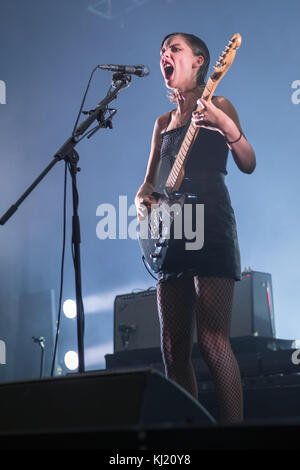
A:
83, 100
91, 132
64, 232
61, 270
143, 258
64, 227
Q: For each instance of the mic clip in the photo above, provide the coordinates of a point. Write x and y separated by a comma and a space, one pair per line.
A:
118, 78
103, 122
40, 340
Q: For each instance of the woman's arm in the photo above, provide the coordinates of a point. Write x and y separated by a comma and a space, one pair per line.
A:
143, 197
222, 116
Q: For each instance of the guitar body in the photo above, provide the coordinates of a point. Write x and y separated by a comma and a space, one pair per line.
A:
161, 235
157, 236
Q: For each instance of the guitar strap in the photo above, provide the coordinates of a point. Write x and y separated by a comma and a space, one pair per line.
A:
169, 120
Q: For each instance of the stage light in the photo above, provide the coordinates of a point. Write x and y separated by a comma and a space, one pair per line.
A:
69, 308
71, 360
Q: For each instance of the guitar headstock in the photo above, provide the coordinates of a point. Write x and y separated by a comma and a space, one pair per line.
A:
226, 58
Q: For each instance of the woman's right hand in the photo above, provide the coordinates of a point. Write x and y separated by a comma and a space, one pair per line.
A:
143, 200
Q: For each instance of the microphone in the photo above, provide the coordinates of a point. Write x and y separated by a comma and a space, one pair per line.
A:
38, 340
124, 327
139, 70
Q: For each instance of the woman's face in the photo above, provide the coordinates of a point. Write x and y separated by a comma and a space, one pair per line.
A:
178, 63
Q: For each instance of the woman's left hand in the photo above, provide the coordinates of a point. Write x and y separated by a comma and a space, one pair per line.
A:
210, 117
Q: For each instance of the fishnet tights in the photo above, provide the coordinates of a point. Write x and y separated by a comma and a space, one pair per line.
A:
210, 301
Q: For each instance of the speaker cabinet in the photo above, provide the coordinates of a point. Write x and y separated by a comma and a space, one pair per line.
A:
253, 306
136, 323
96, 400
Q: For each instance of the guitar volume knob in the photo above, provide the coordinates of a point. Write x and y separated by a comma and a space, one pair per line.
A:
158, 244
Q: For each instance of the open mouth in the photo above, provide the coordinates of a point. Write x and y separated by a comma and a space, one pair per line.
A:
168, 70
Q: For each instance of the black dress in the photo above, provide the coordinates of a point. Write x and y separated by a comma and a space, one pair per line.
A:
205, 172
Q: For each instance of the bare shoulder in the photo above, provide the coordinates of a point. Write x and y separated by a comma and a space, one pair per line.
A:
159, 126
162, 122
223, 103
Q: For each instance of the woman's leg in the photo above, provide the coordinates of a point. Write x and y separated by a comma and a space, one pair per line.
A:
213, 307
175, 301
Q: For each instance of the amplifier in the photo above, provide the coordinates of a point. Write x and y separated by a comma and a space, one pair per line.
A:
253, 306
136, 323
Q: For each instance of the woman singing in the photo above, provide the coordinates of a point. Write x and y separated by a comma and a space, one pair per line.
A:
202, 286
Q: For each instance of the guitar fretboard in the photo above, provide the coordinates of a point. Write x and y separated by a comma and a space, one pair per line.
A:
177, 172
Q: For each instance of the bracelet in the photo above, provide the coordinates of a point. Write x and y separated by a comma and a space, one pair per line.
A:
235, 141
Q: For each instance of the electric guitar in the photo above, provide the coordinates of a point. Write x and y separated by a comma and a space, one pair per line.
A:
160, 234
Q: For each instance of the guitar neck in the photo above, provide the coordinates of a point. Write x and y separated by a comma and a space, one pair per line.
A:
177, 172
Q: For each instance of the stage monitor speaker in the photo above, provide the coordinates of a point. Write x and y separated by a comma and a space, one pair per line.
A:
36, 321
96, 400
136, 324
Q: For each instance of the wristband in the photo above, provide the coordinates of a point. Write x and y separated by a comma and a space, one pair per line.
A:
235, 141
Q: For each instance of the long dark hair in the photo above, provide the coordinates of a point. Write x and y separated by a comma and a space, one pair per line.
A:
199, 48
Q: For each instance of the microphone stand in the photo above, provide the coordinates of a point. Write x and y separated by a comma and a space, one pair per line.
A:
67, 152
41, 341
